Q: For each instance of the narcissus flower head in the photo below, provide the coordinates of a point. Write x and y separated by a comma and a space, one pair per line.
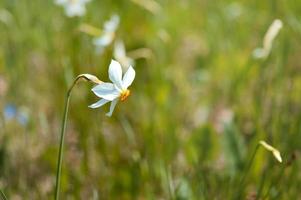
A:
115, 91
73, 8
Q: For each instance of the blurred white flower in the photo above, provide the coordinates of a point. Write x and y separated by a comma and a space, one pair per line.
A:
234, 11
73, 7
149, 5
115, 91
120, 55
5, 16
268, 39
108, 35
275, 152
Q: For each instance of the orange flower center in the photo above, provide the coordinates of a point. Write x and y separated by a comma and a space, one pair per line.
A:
125, 94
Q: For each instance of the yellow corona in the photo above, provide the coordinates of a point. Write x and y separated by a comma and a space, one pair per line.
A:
125, 94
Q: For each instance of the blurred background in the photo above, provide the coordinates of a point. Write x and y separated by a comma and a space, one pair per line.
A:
199, 105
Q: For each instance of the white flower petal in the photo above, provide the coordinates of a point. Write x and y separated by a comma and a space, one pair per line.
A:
115, 73
112, 24
120, 55
104, 40
61, 2
99, 103
75, 9
119, 50
106, 91
103, 87
112, 107
128, 77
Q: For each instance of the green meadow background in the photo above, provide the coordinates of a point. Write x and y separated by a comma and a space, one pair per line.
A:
199, 105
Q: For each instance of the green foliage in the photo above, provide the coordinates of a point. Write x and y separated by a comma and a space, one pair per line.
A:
198, 106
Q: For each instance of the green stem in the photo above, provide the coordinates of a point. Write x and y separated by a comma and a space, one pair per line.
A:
242, 181
275, 181
3, 195
261, 186
60, 157
63, 130
169, 183
3, 126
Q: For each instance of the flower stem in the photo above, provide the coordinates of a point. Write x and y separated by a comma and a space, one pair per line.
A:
63, 130
60, 156
242, 181
275, 182
3, 195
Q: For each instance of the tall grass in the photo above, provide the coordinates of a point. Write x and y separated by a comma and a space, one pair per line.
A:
199, 105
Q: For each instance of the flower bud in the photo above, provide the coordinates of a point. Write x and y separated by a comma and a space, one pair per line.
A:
275, 152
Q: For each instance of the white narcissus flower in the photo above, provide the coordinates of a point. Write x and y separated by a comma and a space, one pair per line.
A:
120, 55
108, 35
115, 91
73, 7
